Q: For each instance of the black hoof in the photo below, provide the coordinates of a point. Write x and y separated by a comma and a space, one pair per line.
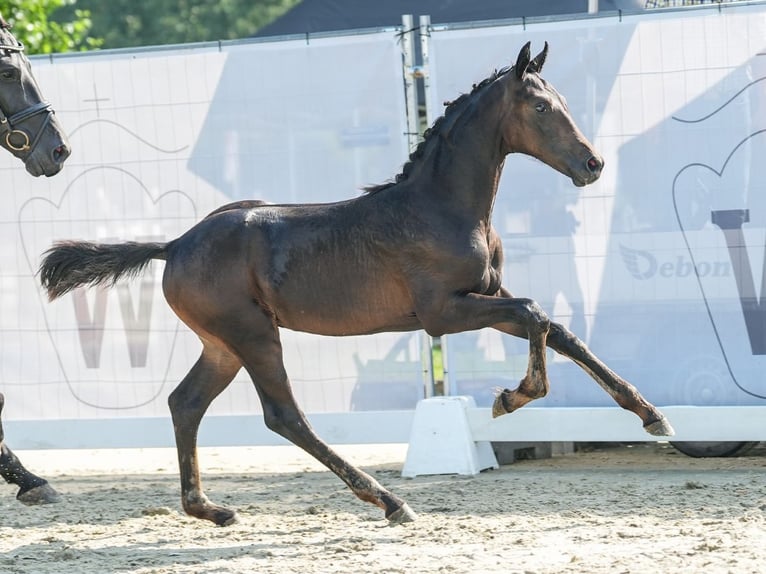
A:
660, 428
501, 406
402, 515
43, 494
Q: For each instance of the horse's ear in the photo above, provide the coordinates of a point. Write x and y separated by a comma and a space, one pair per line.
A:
536, 65
522, 62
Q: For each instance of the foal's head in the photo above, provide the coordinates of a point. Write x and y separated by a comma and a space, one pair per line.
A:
539, 123
28, 127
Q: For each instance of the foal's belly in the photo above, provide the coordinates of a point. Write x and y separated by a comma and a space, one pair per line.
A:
346, 309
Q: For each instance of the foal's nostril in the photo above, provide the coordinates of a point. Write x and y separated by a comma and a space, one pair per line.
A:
594, 165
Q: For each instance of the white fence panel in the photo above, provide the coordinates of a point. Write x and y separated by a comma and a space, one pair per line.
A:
656, 266
160, 138
637, 264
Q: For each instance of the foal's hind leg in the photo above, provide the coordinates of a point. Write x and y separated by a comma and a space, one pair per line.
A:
212, 373
262, 358
561, 340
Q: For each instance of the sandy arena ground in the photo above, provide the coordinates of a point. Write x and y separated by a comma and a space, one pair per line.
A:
641, 508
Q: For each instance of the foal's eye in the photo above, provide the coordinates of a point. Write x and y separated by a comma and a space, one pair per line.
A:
541, 107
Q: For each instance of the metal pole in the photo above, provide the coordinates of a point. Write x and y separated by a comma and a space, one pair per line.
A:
410, 89
427, 362
592, 6
411, 73
425, 72
447, 390
422, 72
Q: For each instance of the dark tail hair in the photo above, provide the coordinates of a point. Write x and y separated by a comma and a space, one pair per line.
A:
71, 264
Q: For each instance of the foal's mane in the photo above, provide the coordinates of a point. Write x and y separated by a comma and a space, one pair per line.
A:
441, 125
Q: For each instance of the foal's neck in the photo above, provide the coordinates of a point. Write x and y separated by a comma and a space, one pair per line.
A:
462, 167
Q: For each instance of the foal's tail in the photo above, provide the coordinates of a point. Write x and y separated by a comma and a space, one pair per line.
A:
71, 264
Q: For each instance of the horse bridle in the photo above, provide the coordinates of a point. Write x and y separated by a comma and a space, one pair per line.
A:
8, 123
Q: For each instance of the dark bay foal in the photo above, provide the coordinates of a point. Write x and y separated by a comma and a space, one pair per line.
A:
417, 253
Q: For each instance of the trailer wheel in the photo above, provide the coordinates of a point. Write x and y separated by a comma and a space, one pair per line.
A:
713, 449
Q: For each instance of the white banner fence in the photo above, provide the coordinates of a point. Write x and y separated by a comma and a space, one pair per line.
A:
659, 266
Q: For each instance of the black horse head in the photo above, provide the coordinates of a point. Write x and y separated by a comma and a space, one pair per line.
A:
29, 128
542, 126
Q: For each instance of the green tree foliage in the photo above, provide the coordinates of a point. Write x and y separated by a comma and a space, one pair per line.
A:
129, 23
36, 25
46, 26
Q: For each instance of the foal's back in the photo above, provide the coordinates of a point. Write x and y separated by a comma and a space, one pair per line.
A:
332, 269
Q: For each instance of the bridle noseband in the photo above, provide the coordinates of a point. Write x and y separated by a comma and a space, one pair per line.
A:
8, 123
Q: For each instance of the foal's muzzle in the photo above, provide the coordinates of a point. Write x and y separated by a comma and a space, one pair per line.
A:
591, 172
595, 164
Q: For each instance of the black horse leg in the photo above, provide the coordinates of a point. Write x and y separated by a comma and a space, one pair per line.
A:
263, 360
32, 488
561, 340
465, 312
212, 373
535, 383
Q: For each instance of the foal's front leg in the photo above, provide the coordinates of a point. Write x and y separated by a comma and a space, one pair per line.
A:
472, 311
564, 342
535, 383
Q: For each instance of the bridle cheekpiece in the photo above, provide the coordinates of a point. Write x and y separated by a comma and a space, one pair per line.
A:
18, 140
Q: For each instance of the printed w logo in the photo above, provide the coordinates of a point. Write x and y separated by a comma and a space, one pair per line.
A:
753, 306
136, 319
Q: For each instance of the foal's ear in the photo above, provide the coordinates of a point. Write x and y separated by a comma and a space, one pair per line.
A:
536, 65
522, 62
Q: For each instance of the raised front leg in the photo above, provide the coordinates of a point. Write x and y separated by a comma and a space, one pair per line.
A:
561, 340
32, 488
533, 386
474, 311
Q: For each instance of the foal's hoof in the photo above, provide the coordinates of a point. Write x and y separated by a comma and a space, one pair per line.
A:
401, 515
226, 518
502, 405
43, 494
218, 515
660, 427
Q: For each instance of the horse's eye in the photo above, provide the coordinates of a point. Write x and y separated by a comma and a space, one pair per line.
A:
541, 107
8, 75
